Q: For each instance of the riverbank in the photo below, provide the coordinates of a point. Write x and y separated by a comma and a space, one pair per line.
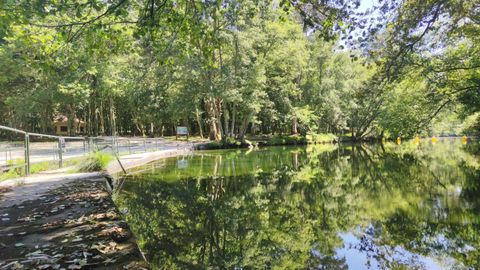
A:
57, 220
276, 140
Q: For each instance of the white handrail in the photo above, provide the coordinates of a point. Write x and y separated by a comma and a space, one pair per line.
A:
13, 129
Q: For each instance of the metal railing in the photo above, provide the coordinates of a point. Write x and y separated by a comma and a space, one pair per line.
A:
60, 148
60, 140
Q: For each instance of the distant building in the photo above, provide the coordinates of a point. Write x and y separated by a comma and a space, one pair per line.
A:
60, 125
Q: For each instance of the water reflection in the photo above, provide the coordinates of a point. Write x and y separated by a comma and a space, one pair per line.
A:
408, 206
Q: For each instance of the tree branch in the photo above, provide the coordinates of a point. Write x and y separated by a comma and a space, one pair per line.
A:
107, 12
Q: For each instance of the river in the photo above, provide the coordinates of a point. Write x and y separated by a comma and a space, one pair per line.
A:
407, 206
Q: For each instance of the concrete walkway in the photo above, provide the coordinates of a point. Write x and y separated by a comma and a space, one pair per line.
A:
21, 189
48, 151
74, 226
61, 220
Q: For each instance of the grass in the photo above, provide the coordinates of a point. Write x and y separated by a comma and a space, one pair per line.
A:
9, 174
17, 169
42, 166
96, 161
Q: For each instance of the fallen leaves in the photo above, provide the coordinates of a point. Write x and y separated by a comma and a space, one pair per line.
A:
73, 227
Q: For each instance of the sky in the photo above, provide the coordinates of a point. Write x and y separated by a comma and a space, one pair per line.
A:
366, 4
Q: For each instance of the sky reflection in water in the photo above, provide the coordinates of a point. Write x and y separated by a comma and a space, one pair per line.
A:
317, 207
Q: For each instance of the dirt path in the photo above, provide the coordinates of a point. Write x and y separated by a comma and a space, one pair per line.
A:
74, 226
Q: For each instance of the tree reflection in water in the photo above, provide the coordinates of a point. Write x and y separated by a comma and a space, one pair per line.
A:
317, 207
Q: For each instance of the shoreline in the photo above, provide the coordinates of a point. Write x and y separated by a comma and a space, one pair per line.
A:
55, 220
46, 198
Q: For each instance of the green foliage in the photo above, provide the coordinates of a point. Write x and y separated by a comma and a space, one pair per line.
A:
287, 140
42, 166
228, 69
310, 138
269, 208
228, 143
96, 161
472, 124
313, 138
17, 169
10, 174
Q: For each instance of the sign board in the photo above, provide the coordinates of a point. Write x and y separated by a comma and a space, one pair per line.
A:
182, 131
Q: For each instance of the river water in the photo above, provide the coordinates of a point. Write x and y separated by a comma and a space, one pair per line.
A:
408, 206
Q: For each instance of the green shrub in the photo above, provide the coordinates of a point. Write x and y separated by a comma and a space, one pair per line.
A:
42, 166
286, 140
96, 161
232, 142
12, 173
17, 169
313, 138
227, 144
212, 145
310, 138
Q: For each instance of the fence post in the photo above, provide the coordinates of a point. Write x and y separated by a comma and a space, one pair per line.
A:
60, 153
27, 154
90, 144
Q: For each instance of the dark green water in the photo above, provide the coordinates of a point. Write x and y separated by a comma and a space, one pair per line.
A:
319, 207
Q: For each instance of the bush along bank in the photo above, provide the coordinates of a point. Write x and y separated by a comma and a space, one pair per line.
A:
229, 143
299, 139
96, 161
276, 140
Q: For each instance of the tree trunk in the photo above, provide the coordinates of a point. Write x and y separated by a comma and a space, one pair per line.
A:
112, 118
244, 127
226, 119
212, 123
102, 120
234, 115
71, 127
199, 122
218, 118
294, 126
